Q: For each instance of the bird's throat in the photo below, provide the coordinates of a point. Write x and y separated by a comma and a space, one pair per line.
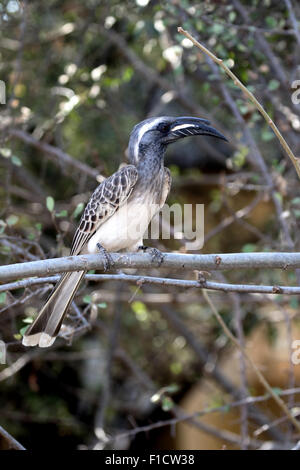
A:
150, 164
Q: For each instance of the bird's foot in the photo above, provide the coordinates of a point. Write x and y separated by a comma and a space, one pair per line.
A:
108, 261
156, 255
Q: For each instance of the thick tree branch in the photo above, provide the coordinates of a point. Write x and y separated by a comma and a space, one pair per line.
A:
175, 261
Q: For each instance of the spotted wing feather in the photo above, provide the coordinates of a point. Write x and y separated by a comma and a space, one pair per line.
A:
111, 194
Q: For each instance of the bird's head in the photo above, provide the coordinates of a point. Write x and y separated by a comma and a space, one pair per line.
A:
155, 134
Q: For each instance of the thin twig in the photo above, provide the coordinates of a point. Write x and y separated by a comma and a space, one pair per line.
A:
12, 442
209, 369
252, 98
261, 378
293, 20
227, 436
184, 283
107, 379
55, 152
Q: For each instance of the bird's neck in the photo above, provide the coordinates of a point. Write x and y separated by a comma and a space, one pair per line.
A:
150, 164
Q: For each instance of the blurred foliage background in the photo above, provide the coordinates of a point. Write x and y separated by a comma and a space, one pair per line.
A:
79, 76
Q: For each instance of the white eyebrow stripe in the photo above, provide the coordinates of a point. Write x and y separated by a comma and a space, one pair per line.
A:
146, 127
182, 126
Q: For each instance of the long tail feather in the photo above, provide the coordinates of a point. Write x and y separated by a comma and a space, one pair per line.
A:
46, 326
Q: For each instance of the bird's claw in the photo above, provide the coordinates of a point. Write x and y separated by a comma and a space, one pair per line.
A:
156, 255
108, 262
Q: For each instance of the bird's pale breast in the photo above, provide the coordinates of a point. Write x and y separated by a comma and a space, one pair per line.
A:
127, 226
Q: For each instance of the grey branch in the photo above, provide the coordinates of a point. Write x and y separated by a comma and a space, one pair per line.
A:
184, 283
11, 441
55, 152
176, 261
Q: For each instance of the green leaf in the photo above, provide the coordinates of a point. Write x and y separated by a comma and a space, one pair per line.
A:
273, 84
254, 178
62, 213
140, 310
296, 213
16, 160
127, 74
249, 248
87, 299
167, 403
267, 135
102, 305
173, 388
12, 219
78, 210
2, 297
278, 196
232, 16
23, 330
217, 28
50, 203
239, 157
271, 22
176, 368
2, 226
277, 390
174, 169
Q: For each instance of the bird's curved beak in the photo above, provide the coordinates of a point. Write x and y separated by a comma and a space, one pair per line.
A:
187, 126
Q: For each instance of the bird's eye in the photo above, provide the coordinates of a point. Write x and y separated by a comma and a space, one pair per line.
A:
163, 127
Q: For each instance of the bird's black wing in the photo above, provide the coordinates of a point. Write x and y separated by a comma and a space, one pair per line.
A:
111, 194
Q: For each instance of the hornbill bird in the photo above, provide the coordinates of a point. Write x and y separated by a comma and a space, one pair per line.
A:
120, 203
